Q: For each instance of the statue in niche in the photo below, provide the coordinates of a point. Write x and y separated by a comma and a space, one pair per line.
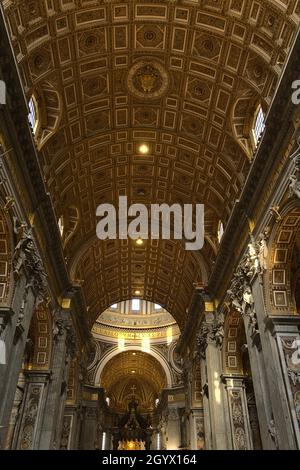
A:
294, 186
218, 330
58, 328
23, 247
263, 249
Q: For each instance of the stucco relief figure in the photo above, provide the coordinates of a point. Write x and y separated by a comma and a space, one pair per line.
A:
218, 330
32, 409
247, 298
253, 259
26, 255
58, 328
291, 349
240, 439
23, 247
294, 186
235, 301
297, 405
200, 434
242, 302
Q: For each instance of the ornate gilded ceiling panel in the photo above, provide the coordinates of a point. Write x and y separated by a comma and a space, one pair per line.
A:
184, 77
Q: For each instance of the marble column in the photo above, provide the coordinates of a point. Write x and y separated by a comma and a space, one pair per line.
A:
173, 429
35, 393
210, 340
52, 421
260, 383
89, 438
197, 429
70, 428
206, 414
253, 416
276, 410
30, 286
15, 417
14, 336
217, 403
187, 428
275, 333
194, 412
238, 410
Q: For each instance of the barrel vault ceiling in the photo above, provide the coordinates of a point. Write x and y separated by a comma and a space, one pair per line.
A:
133, 373
185, 77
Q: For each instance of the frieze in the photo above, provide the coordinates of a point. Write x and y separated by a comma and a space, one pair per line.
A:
291, 350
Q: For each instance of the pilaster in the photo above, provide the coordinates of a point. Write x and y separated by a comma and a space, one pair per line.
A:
238, 410
54, 410
210, 341
35, 392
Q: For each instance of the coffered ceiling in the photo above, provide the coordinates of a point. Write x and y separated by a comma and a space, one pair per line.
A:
185, 77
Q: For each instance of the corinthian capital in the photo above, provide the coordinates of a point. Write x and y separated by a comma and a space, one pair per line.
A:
210, 333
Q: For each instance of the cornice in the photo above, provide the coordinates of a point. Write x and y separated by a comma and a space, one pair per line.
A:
20, 135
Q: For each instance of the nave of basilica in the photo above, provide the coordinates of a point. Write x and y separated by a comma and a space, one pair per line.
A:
141, 344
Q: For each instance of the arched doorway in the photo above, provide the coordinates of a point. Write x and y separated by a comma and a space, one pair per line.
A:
133, 369
133, 382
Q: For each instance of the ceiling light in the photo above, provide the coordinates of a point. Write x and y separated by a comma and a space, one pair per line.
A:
133, 371
137, 292
134, 354
139, 242
144, 149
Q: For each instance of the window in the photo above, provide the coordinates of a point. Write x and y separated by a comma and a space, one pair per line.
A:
220, 231
114, 306
157, 307
32, 116
61, 226
103, 440
158, 441
2, 92
135, 305
259, 125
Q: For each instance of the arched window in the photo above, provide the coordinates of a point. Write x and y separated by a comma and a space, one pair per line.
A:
61, 226
2, 92
259, 125
135, 305
220, 231
103, 440
32, 116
